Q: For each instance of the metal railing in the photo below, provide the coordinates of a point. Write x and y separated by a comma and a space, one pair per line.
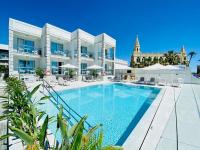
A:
69, 114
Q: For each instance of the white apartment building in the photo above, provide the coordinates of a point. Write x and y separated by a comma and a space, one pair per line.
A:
50, 47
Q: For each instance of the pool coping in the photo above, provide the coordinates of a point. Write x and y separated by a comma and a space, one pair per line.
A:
147, 133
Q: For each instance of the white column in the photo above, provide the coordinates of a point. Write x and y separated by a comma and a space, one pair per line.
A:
47, 50
114, 51
103, 54
10, 48
79, 54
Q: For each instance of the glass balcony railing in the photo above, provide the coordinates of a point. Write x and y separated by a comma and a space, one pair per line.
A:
4, 57
28, 50
26, 70
62, 53
109, 57
87, 55
109, 72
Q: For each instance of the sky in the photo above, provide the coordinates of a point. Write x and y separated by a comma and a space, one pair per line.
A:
161, 25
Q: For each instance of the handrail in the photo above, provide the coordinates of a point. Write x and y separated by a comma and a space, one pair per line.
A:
71, 112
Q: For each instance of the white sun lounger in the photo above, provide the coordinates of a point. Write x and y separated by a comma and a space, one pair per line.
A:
162, 82
61, 81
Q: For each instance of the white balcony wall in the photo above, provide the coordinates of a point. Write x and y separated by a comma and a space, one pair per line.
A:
25, 28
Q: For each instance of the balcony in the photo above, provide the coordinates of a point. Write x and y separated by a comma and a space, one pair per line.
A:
87, 55
61, 53
26, 70
4, 57
109, 57
26, 49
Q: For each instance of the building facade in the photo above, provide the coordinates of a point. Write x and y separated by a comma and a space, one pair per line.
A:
50, 47
4, 53
138, 58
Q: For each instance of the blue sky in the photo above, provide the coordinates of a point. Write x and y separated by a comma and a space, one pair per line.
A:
162, 25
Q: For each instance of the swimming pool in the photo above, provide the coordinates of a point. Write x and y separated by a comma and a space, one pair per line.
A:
119, 107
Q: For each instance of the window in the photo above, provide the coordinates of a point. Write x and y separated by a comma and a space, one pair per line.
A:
83, 68
26, 66
54, 67
56, 48
25, 45
84, 51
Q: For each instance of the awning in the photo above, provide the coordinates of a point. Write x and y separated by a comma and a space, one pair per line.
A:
94, 67
122, 67
69, 66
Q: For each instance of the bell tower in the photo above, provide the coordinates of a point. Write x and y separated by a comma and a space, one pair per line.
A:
137, 46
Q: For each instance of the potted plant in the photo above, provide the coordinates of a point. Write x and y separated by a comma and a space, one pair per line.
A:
40, 72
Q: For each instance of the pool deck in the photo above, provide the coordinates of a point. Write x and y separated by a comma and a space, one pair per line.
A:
170, 128
163, 127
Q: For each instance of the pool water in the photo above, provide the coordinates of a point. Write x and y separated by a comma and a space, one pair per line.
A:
118, 107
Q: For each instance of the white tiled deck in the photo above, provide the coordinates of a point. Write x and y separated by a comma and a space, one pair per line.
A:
188, 122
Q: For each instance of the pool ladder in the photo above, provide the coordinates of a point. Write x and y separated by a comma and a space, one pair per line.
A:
68, 113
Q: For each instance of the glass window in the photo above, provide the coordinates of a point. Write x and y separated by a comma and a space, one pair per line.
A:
54, 67
84, 51
56, 48
83, 68
26, 66
25, 45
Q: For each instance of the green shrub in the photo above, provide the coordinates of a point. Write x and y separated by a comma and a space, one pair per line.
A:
40, 72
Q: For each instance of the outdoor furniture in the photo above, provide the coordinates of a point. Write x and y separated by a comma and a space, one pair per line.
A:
162, 82
141, 81
61, 81
175, 83
152, 81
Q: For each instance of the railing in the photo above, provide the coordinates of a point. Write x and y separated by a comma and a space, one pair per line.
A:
26, 70
87, 55
28, 50
70, 114
61, 53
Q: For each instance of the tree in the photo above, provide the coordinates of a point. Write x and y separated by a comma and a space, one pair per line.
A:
172, 58
191, 55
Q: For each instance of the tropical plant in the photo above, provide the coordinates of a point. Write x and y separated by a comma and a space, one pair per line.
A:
74, 138
172, 58
40, 72
23, 115
191, 55
71, 73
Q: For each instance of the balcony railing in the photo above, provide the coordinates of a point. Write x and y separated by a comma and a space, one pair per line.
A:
26, 49
4, 57
87, 55
62, 53
26, 70
109, 57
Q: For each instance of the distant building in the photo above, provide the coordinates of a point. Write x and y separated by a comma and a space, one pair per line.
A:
198, 69
138, 57
4, 54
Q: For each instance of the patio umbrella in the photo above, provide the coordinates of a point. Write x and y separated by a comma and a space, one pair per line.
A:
94, 67
155, 67
69, 66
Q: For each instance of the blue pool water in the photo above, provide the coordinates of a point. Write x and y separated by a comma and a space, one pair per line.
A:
118, 107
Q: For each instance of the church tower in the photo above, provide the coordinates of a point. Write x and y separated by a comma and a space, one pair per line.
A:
137, 46
183, 50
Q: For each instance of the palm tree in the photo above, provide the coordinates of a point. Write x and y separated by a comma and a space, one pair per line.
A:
172, 58
191, 54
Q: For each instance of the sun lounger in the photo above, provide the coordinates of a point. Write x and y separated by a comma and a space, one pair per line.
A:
61, 81
152, 81
141, 81
176, 83
162, 82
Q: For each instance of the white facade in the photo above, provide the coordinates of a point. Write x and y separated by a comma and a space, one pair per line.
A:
50, 47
